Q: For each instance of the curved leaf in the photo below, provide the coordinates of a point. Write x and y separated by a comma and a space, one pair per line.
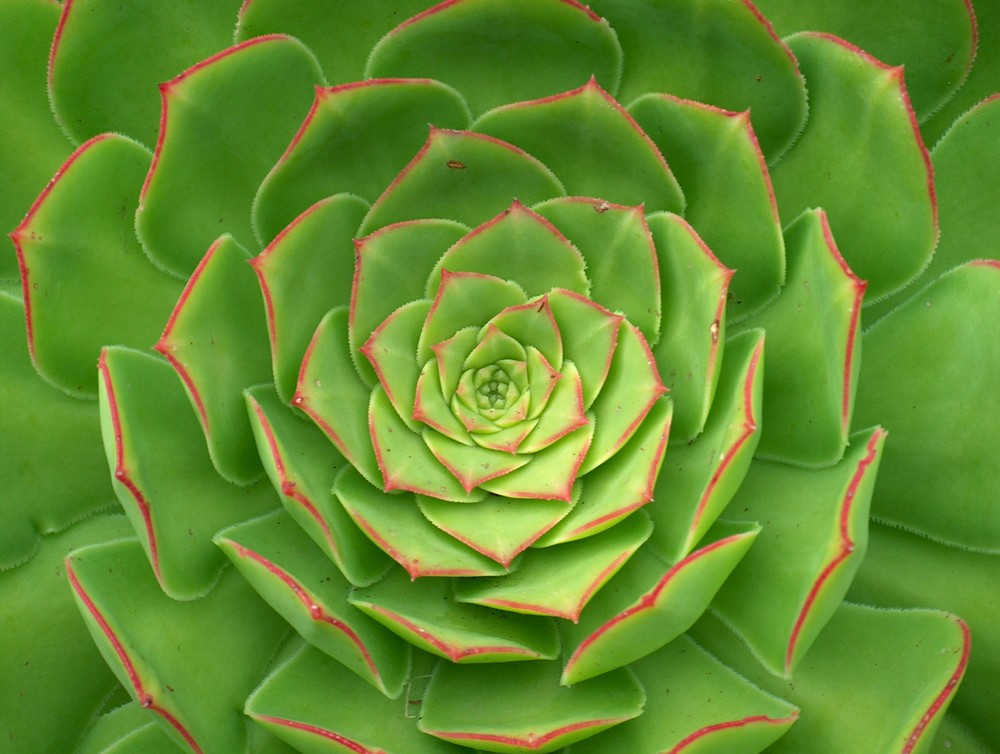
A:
80, 229
487, 51
875, 182
225, 122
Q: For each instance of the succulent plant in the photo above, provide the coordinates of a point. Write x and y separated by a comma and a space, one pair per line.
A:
504, 375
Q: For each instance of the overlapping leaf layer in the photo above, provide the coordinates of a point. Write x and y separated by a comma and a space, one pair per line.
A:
516, 376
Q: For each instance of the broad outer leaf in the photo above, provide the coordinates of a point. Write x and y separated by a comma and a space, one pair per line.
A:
356, 138
107, 60
32, 146
715, 51
48, 438
592, 144
316, 705
904, 569
881, 677
225, 123
488, 52
936, 41
163, 475
694, 703
341, 40
815, 529
85, 279
190, 663
861, 159
939, 411
296, 578
715, 155
54, 679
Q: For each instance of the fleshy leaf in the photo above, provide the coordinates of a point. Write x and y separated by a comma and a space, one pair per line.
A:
534, 325
613, 238
57, 438
392, 349
516, 707
982, 79
302, 466
967, 193
878, 191
563, 413
540, 585
917, 487
77, 230
317, 705
126, 729
589, 338
884, 677
306, 589
404, 458
814, 336
936, 42
521, 246
238, 108
595, 148
301, 275
815, 531
54, 679
966, 190
623, 483
32, 146
904, 569
632, 387
552, 471
488, 52
356, 138
714, 51
689, 353
462, 176
163, 475
426, 614
473, 464
464, 299
395, 524
191, 663
216, 340
393, 268
650, 603
694, 703
341, 40
97, 87
340, 408
699, 478
498, 527
715, 156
